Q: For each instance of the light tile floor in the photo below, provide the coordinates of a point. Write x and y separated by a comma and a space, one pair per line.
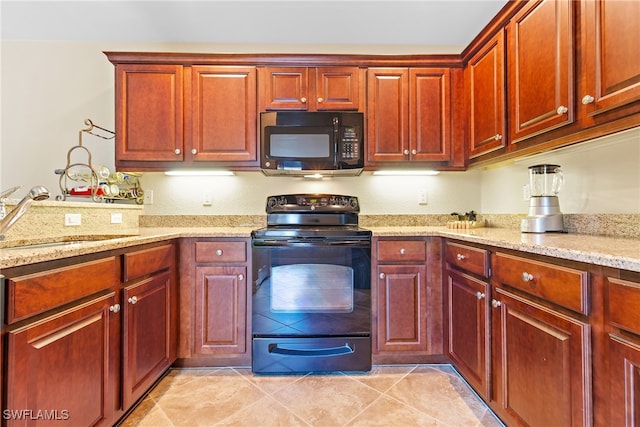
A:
399, 395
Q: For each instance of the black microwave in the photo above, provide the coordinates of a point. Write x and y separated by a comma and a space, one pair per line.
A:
305, 143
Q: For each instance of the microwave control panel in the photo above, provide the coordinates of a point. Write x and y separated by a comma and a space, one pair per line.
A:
349, 143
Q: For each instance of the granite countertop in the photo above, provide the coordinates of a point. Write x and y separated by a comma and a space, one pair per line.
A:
606, 251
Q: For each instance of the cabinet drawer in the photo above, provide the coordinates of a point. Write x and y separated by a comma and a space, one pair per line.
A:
36, 293
402, 250
623, 300
564, 286
147, 261
221, 251
468, 258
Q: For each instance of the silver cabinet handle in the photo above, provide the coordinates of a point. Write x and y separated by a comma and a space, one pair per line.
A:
479, 295
177, 151
320, 100
133, 299
562, 110
527, 277
241, 277
495, 304
403, 251
406, 152
414, 152
460, 257
114, 308
194, 151
498, 137
382, 275
588, 99
303, 100
219, 252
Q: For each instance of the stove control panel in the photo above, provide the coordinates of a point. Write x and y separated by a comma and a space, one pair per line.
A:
312, 202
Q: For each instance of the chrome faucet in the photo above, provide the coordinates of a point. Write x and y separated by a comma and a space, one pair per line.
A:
8, 219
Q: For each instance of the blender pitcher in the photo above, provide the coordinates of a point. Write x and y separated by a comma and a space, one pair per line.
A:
545, 180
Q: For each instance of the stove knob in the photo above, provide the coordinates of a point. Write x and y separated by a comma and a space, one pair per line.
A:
271, 202
353, 202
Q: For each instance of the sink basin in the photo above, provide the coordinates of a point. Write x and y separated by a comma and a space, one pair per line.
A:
21, 245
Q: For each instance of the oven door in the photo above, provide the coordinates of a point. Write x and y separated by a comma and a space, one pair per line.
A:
312, 305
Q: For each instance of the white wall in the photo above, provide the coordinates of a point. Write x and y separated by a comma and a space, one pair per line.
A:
49, 88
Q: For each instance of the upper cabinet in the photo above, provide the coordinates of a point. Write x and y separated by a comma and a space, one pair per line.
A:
610, 57
171, 116
485, 76
409, 115
149, 114
310, 89
540, 68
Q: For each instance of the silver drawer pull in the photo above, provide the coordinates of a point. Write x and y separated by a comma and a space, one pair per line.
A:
403, 251
133, 299
114, 308
460, 257
495, 304
479, 295
241, 277
382, 275
219, 252
562, 110
527, 277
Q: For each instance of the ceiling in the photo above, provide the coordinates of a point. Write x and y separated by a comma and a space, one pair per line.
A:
448, 24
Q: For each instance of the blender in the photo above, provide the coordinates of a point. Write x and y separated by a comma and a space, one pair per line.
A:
545, 182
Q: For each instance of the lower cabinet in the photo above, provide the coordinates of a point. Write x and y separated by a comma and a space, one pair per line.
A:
406, 300
620, 367
63, 369
215, 301
97, 333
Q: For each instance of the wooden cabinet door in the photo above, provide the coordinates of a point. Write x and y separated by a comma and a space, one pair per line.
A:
149, 113
429, 114
337, 88
64, 364
223, 115
624, 381
486, 80
147, 329
541, 364
401, 308
468, 312
387, 114
540, 68
285, 88
610, 58
221, 310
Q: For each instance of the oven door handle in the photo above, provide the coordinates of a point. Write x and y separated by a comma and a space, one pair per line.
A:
314, 352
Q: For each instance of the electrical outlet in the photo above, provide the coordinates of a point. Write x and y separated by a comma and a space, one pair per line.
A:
148, 197
422, 197
72, 220
116, 218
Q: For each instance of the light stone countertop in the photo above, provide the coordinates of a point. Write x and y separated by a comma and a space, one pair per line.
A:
606, 251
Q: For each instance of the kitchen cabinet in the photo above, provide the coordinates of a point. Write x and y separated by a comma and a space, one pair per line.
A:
468, 312
409, 115
485, 74
540, 69
216, 296
620, 367
610, 64
170, 115
406, 309
541, 342
149, 314
310, 88
63, 335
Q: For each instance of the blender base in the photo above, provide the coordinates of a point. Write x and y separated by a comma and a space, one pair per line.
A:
542, 224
